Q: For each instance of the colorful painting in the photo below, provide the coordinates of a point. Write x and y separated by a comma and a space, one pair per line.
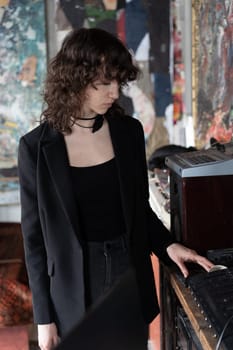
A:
22, 69
212, 70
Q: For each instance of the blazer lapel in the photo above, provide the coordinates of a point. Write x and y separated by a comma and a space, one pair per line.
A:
54, 149
123, 150
55, 154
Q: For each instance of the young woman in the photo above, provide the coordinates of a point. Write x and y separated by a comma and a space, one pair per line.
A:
84, 189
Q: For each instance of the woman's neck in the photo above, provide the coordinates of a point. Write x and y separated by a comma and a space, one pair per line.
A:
92, 123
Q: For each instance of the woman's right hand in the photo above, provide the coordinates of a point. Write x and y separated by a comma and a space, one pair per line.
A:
47, 336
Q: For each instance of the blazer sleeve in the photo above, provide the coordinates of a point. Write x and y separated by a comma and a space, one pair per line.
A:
159, 237
34, 247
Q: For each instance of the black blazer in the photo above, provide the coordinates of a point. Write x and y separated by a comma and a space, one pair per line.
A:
50, 226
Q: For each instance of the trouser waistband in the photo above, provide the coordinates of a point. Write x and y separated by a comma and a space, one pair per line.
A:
121, 242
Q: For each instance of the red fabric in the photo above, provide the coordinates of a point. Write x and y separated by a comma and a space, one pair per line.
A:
15, 303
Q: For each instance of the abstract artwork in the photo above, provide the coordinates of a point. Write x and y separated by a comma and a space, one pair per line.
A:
212, 28
22, 69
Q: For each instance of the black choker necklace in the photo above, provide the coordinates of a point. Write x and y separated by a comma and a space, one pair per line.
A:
99, 119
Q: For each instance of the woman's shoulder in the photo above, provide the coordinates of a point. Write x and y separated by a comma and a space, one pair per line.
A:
135, 125
34, 131
35, 134
128, 121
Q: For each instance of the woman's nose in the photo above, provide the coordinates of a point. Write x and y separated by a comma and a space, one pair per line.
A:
114, 89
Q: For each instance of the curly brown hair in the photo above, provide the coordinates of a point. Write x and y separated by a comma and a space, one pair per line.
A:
85, 56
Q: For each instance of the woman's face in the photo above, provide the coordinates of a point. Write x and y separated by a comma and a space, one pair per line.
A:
99, 97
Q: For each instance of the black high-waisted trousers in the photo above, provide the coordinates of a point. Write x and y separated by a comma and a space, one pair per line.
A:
105, 264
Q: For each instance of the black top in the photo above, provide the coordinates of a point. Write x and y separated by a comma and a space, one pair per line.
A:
97, 192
